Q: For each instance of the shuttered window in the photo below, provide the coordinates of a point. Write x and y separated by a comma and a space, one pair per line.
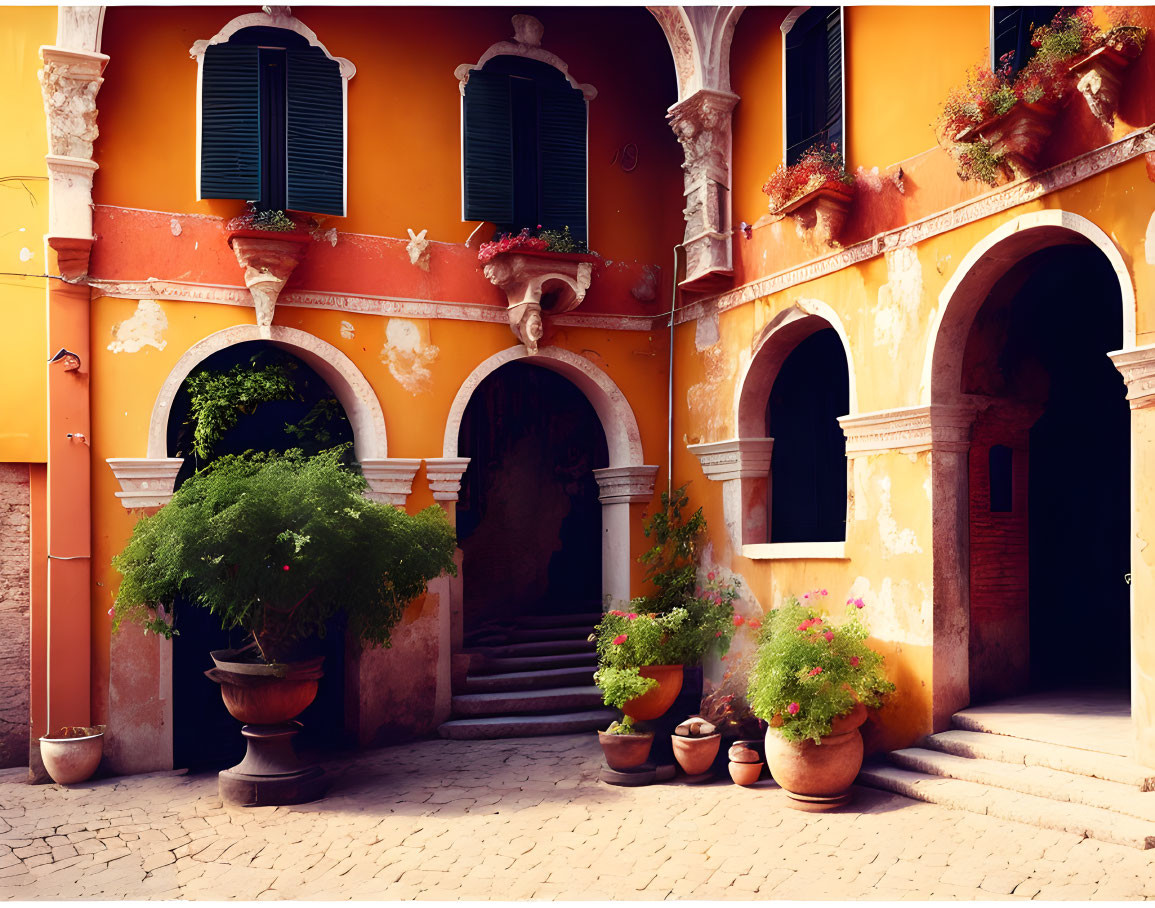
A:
814, 81
1011, 28
273, 123
524, 147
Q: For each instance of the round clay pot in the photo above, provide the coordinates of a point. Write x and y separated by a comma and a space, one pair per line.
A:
626, 751
745, 773
268, 702
72, 755
657, 700
695, 755
818, 775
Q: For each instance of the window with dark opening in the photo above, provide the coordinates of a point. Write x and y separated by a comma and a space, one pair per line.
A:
272, 123
1011, 28
999, 462
808, 464
813, 81
524, 147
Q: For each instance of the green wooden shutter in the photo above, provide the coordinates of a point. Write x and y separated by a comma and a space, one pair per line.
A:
230, 165
562, 141
315, 133
487, 149
833, 126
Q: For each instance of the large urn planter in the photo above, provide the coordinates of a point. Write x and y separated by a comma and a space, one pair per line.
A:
823, 211
72, 754
1018, 136
1099, 77
818, 776
657, 700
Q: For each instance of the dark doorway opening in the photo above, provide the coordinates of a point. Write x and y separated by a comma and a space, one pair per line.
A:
528, 517
205, 736
808, 463
1049, 598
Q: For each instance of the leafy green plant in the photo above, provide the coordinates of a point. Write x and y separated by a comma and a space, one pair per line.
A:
276, 544
807, 672
618, 687
273, 220
217, 399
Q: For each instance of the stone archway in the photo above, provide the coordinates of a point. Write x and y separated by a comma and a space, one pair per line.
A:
627, 479
952, 421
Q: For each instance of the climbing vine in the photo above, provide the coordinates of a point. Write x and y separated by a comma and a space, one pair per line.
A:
217, 399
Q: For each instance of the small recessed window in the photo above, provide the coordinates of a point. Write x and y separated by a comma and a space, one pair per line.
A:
813, 81
1000, 460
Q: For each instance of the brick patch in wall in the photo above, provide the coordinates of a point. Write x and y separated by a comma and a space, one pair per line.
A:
14, 605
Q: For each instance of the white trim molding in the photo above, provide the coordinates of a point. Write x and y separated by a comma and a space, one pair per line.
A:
275, 17
795, 551
390, 479
626, 485
145, 482
444, 477
909, 430
350, 387
742, 465
1137, 366
738, 458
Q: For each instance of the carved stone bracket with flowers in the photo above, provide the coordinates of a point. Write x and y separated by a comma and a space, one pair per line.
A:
823, 212
1099, 74
268, 259
537, 285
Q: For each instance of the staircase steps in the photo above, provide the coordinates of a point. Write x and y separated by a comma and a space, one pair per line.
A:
529, 680
534, 677
1103, 796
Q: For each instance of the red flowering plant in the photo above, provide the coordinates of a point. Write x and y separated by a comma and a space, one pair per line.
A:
540, 240
820, 167
725, 704
808, 671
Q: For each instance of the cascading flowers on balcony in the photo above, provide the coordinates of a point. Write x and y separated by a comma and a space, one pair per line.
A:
820, 166
540, 240
1046, 79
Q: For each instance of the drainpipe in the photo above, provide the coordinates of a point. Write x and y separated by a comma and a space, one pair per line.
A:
670, 383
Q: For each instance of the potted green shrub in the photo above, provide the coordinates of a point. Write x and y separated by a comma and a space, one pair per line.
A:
812, 681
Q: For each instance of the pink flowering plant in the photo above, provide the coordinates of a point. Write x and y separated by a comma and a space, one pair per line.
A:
808, 671
820, 166
540, 240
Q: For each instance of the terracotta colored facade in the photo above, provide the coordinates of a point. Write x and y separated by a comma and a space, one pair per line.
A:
392, 308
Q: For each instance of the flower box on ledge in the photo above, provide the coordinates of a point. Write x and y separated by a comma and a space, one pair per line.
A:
268, 256
822, 210
1099, 75
1017, 136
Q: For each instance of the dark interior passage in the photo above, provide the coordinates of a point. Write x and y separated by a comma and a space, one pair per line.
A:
528, 516
1049, 598
205, 736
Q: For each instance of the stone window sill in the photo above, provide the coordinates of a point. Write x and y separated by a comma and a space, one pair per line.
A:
784, 551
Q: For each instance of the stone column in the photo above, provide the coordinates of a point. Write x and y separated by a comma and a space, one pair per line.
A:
1138, 370
742, 465
618, 488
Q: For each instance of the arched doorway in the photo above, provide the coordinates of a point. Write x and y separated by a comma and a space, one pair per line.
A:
205, 736
529, 521
1048, 474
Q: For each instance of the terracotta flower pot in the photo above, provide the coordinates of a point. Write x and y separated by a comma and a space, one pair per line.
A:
695, 755
655, 702
1018, 135
818, 776
624, 752
72, 754
745, 773
259, 694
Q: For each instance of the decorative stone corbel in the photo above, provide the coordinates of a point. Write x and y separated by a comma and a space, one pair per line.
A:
1137, 366
537, 285
268, 259
145, 482
390, 479
626, 485
742, 465
444, 476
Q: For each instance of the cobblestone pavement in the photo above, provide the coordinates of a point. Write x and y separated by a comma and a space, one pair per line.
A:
526, 819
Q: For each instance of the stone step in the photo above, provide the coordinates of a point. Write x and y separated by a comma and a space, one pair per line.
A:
1078, 819
1033, 780
530, 680
531, 634
536, 648
488, 665
528, 726
501, 703
582, 618
1006, 749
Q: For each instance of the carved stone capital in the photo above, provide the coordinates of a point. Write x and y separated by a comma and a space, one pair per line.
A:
390, 479
938, 427
268, 260
626, 485
444, 476
1138, 370
537, 285
145, 482
738, 458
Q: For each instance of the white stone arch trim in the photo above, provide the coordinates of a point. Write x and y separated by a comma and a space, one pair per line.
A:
982, 267
774, 343
273, 19
623, 438
526, 42
699, 39
338, 371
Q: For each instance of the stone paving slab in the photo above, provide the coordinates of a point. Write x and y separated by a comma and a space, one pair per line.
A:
527, 819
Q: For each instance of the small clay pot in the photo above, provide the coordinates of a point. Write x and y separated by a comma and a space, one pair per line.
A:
72, 754
695, 755
626, 751
745, 773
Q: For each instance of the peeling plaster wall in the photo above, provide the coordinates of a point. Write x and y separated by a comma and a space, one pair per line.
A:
408, 353
145, 328
15, 503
